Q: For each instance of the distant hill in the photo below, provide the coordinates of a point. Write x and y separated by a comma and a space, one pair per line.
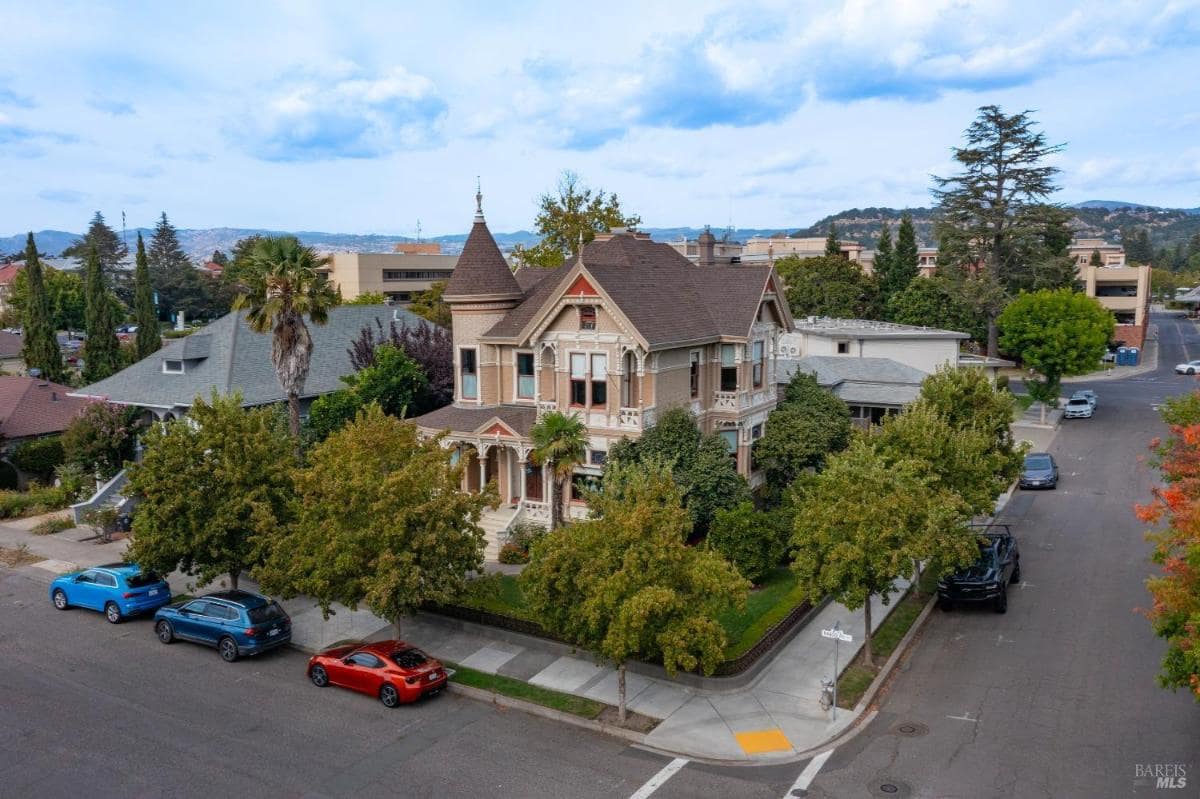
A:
1110, 205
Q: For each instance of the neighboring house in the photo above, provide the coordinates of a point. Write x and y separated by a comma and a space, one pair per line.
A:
616, 335
413, 268
766, 249
228, 356
212, 269
707, 250
1081, 251
32, 408
876, 367
10, 353
8, 273
871, 387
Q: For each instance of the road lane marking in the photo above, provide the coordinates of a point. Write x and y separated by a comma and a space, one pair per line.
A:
964, 717
656, 782
1025, 584
808, 775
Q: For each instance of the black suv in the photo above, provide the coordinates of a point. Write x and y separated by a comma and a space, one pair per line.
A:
987, 579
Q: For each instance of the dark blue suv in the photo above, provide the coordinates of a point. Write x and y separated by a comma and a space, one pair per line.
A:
235, 622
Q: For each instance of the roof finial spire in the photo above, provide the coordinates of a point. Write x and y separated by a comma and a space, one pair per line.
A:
478, 200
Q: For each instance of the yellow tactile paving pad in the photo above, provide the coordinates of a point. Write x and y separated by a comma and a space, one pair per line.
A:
755, 742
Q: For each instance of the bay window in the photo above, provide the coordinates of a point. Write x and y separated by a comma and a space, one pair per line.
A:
525, 376
759, 363
729, 376
469, 372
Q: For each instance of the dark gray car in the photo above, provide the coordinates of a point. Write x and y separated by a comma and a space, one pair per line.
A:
1039, 471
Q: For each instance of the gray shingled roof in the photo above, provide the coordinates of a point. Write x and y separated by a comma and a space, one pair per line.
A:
859, 381
670, 300
228, 356
467, 420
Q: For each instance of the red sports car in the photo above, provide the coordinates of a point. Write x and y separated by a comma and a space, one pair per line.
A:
391, 670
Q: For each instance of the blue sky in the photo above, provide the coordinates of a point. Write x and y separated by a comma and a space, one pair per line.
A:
365, 117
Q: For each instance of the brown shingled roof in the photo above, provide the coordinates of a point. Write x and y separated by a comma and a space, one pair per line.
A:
481, 270
467, 420
33, 407
669, 300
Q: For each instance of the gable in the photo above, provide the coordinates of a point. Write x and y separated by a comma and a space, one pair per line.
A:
581, 288
498, 428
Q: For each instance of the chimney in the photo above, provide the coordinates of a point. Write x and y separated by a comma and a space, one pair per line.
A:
707, 242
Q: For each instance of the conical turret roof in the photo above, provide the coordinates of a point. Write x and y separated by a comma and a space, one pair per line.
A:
481, 272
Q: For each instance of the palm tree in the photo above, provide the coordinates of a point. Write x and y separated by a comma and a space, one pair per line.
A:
560, 442
280, 287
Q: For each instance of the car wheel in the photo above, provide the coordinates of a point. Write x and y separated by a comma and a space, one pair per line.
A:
389, 696
60, 599
319, 676
1016, 577
945, 604
1002, 601
164, 632
1191, 371
228, 650
112, 613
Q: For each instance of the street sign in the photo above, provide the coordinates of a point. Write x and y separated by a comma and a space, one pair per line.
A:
838, 634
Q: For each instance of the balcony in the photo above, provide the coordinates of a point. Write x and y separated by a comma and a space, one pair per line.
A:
725, 401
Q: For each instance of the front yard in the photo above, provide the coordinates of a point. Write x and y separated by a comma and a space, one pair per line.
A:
768, 604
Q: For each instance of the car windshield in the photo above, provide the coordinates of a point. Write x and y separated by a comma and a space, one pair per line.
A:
265, 613
409, 658
1078, 401
142, 579
987, 555
1037, 462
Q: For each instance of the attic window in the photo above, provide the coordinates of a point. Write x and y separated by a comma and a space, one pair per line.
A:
172, 367
587, 317
843, 347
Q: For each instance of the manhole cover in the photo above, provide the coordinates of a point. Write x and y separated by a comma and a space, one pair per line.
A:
890, 788
912, 729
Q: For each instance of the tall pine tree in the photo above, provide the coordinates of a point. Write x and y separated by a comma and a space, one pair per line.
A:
104, 240
165, 252
39, 348
906, 259
885, 256
149, 339
101, 351
832, 245
993, 218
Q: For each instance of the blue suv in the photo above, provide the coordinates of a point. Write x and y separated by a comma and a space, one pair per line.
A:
235, 622
116, 589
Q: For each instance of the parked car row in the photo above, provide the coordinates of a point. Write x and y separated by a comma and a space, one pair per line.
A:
241, 623
1081, 405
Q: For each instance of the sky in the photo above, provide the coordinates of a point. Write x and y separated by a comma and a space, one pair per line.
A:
368, 117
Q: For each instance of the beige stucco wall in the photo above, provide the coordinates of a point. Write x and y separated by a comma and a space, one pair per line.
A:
356, 273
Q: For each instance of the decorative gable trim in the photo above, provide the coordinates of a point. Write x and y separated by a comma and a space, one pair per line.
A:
581, 288
496, 428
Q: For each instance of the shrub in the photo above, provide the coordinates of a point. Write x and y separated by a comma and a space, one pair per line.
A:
103, 521
39, 457
37, 500
520, 538
511, 554
55, 524
187, 331
101, 438
1002, 381
753, 541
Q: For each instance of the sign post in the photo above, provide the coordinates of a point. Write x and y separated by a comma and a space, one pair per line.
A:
835, 632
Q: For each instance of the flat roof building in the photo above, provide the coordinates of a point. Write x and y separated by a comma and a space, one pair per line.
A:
396, 275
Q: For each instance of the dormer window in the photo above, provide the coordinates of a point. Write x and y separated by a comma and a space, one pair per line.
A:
172, 367
587, 317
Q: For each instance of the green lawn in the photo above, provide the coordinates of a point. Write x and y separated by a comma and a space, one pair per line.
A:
764, 607
568, 703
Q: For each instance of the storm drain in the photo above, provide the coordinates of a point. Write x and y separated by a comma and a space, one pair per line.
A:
890, 788
911, 729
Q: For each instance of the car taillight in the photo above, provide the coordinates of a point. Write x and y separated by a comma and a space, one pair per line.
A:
251, 631
127, 595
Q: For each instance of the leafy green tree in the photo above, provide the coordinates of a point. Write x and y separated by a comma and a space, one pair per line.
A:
993, 217
968, 400
572, 214
39, 344
833, 247
1096, 260
215, 488
282, 286
369, 298
808, 425
859, 524
1056, 333
380, 522
700, 463
181, 287
829, 286
219, 257
149, 336
430, 305
101, 351
38, 457
393, 381
64, 294
110, 250
625, 585
754, 541
934, 302
559, 443
101, 438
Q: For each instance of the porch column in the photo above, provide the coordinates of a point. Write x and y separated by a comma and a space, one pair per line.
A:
482, 454
521, 472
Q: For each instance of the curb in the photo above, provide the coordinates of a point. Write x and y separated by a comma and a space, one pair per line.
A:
500, 700
897, 653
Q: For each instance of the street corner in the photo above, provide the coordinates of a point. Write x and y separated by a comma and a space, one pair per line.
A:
763, 742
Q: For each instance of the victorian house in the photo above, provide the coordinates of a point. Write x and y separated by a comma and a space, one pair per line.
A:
617, 335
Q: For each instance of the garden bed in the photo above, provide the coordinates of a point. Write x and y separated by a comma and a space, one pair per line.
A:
517, 689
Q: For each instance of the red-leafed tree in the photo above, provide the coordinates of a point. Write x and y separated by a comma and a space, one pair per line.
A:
1175, 611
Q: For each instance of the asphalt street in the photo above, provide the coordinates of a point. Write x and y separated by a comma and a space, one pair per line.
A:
1057, 697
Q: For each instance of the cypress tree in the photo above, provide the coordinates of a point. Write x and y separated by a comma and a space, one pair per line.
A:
1096, 259
905, 260
39, 349
101, 351
885, 256
149, 338
832, 245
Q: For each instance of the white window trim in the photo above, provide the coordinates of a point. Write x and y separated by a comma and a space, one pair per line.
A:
517, 375
458, 375
181, 370
587, 377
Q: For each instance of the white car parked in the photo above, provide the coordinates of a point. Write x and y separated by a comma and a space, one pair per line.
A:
1189, 368
1078, 408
